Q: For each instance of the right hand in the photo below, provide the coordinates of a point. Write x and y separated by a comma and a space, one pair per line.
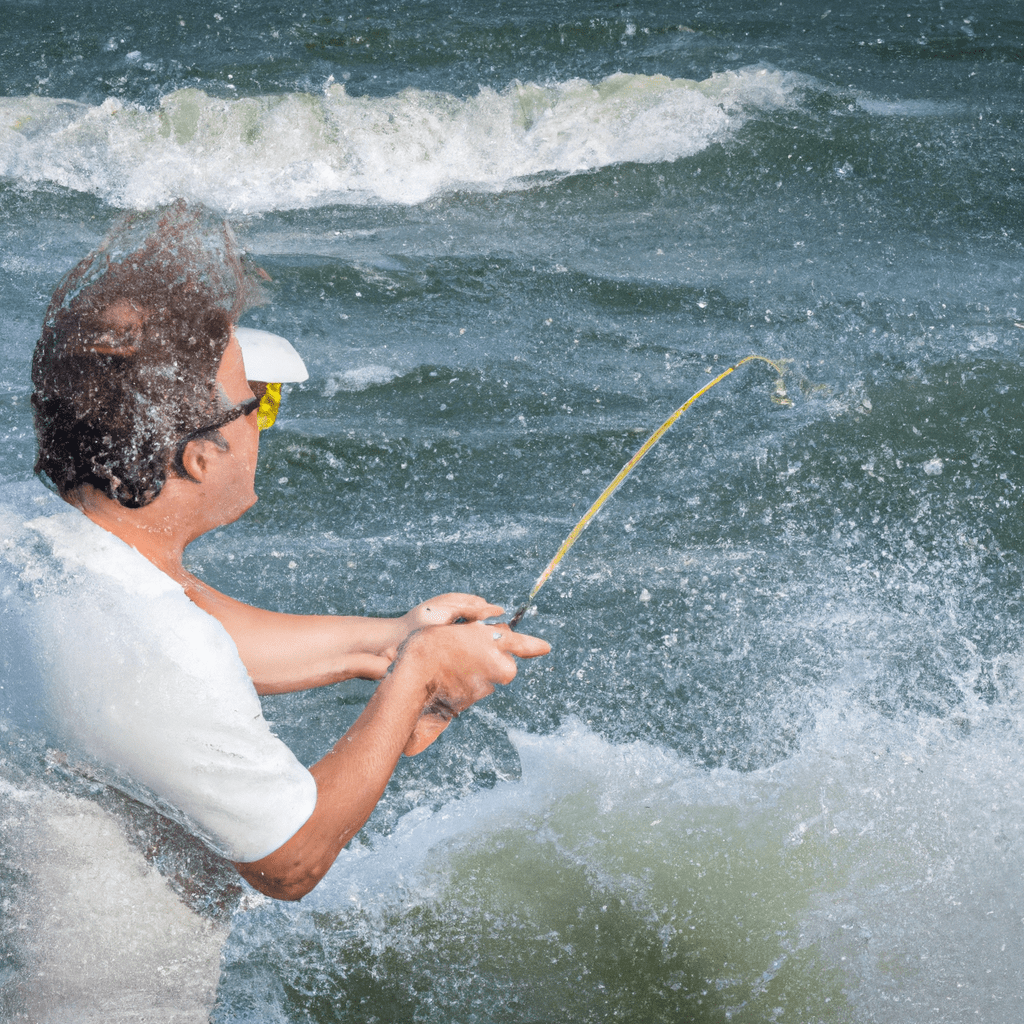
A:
462, 664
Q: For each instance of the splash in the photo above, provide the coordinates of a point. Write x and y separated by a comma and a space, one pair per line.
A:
621, 881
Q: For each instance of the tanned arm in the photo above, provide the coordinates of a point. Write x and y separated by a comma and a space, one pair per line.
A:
283, 653
456, 664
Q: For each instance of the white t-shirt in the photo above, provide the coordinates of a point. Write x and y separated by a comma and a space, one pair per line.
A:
105, 654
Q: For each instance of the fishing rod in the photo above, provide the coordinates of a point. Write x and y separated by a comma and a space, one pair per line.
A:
779, 396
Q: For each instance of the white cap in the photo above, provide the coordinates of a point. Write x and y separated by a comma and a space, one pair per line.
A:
269, 357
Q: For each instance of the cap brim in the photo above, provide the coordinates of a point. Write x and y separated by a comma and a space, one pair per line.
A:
269, 357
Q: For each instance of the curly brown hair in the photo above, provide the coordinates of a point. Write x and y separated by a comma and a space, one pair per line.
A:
126, 364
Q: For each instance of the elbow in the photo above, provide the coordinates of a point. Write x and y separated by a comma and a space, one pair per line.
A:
296, 868
287, 886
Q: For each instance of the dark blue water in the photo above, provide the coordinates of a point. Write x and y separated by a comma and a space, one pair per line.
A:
772, 770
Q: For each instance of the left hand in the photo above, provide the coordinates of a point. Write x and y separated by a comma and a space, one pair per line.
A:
446, 609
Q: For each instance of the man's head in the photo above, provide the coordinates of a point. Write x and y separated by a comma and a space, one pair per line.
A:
125, 370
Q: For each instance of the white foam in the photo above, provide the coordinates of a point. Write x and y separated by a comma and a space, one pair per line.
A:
300, 150
100, 934
359, 378
906, 108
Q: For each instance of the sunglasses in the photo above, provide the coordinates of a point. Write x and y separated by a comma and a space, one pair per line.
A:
266, 402
269, 398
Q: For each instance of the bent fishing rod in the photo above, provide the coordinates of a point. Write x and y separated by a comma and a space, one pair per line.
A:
779, 397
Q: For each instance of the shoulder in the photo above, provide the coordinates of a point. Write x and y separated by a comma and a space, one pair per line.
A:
103, 627
78, 545
45, 540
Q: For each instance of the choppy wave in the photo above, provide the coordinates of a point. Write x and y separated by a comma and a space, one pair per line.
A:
300, 150
729, 887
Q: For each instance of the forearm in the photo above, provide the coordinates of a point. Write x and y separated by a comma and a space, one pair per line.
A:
298, 652
284, 652
350, 780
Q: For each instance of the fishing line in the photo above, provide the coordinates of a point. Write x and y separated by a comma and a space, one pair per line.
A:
779, 396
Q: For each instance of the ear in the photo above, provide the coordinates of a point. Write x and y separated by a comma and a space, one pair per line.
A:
196, 459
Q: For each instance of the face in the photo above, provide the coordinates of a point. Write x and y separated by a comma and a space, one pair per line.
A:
234, 470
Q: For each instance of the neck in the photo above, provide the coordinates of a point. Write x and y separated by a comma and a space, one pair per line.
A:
159, 531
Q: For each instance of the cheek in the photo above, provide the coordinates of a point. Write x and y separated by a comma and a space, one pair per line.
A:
244, 446
253, 449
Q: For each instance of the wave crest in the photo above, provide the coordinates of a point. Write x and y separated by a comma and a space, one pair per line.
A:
300, 150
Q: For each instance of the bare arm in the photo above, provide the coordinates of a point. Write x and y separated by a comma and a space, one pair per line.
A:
285, 652
456, 664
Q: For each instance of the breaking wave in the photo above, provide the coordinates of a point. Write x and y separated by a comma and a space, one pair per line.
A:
300, 150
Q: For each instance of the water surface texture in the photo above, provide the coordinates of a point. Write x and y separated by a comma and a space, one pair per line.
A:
773, 769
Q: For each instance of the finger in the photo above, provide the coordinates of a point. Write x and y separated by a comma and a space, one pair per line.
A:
478, 614
522, 645
446, 609
484, 611
471, 607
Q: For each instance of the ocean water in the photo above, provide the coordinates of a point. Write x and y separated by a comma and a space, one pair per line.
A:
773, 768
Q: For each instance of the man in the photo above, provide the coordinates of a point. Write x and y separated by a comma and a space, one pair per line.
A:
147, 424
